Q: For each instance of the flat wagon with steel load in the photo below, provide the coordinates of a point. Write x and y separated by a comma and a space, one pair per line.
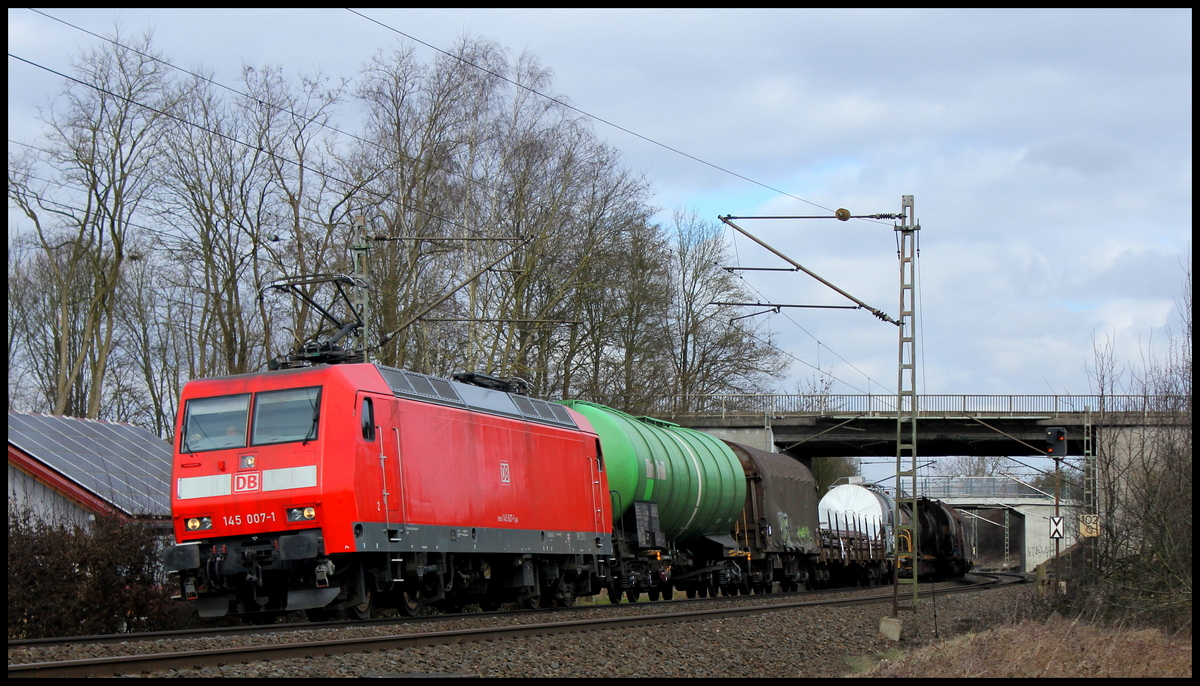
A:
856, 536
857, 524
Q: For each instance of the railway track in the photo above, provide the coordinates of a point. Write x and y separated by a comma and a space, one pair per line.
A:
146, 663
249, 629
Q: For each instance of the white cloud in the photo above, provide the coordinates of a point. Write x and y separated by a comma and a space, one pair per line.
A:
1049, 151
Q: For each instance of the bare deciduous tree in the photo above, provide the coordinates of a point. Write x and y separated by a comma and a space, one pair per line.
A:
459, 161
712, 353
102, 138
1141, 568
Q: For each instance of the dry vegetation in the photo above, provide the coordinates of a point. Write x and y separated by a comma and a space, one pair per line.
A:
1054, 648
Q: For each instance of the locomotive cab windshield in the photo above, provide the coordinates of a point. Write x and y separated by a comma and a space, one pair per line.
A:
215, 423
219, 423
286, 416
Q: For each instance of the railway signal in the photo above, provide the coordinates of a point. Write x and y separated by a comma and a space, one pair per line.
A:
1056, 442
1056, 447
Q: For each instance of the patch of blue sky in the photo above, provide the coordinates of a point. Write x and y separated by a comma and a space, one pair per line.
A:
1076, 306
744, 198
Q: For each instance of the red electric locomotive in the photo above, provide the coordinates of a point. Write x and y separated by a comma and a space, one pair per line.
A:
335, 487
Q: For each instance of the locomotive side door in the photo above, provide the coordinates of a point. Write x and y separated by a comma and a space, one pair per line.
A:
598, 494
379, 431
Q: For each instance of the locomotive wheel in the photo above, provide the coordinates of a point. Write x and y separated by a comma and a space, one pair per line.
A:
690, 593
614, 596
652, 594
410, 604
532, 602
632, 596
362, 610
566, 597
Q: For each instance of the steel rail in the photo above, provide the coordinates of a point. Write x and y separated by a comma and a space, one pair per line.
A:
196, 659
217, 632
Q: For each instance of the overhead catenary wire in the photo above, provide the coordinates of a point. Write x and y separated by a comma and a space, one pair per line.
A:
588, 114
387, 196
469, 63
465, 61
733, 240
781, 350
300, 165
158, 232
400, 153
819, 343
279, 108
266, 152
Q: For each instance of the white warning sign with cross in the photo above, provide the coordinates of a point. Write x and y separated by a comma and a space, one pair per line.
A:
1057, 526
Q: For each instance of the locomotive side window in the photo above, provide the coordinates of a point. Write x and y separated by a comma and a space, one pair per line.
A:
286, 416
215, 423
368, 420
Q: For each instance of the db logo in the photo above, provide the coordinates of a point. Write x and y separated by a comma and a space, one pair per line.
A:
247, 482
505, 476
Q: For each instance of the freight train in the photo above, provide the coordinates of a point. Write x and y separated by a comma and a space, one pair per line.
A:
335, 489
865, 510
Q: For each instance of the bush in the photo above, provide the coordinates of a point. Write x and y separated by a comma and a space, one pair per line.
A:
69, 579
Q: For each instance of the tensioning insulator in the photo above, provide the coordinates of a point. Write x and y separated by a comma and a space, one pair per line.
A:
842, 214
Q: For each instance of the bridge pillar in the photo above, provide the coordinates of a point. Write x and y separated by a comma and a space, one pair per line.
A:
761, 437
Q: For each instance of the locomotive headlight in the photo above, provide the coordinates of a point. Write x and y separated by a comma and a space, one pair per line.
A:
248, 461
301, 514
198, 523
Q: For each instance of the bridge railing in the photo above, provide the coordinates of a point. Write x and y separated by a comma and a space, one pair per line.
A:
735, 404
977, 487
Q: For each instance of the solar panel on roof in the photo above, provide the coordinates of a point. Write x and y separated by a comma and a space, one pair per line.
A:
125, 465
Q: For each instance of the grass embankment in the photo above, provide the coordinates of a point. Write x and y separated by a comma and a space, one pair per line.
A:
1055, 648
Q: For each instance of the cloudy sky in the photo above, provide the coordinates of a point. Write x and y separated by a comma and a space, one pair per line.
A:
1049, 153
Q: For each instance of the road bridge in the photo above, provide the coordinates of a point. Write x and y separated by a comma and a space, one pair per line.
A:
1009, 521
865, 425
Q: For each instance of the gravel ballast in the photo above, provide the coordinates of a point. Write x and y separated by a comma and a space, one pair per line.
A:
799, 642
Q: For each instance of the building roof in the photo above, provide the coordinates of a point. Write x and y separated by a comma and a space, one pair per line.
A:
125, 466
